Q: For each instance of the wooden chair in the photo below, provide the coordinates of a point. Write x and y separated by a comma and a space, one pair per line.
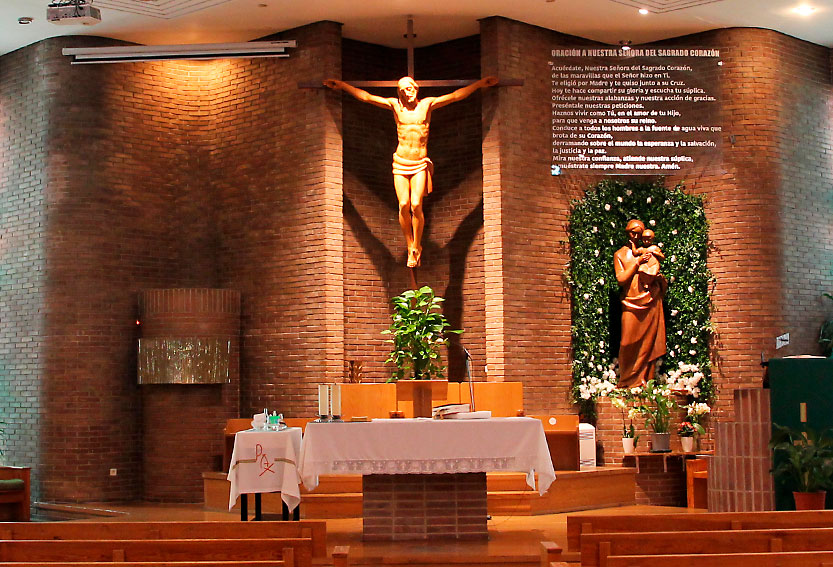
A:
697, 483
15, 492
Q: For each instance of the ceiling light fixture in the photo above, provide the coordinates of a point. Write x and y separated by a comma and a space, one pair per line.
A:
644, 11
804, 10
199, 51
625, 45
25, 20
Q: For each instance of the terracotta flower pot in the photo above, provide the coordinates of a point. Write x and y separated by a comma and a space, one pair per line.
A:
628, 444
809, 500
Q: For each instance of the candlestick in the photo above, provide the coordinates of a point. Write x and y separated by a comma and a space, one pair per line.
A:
323, 400
336, 400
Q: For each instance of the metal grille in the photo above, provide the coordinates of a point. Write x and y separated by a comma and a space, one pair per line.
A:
163, 9
661, 6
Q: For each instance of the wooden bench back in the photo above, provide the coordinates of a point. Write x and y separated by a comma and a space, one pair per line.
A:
308, 529
596, 548
233, 563
578, 524
294, 552
783, 559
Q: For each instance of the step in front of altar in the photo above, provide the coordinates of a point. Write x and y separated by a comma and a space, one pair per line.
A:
340, 496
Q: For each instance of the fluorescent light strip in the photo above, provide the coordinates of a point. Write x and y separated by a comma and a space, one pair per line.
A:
203, 51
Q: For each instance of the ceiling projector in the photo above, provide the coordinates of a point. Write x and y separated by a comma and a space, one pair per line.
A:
73, 13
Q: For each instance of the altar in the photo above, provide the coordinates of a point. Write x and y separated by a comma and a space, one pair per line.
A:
424, 478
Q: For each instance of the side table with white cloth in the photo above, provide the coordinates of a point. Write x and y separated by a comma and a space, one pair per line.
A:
424, 478
265, 461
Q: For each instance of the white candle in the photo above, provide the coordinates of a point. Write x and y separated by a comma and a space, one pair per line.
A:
336, 400
323, 399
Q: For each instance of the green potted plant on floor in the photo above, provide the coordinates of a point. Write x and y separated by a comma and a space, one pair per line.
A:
803, 461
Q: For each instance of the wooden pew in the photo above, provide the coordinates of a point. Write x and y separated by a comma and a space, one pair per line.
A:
776, 559
640, 523
551, 555
292, 552
235, 563
597, 548
316, 530
15, 490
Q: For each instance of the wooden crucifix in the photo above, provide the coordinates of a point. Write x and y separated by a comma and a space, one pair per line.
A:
412, 169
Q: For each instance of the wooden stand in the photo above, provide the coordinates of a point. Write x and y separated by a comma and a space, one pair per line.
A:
421, 392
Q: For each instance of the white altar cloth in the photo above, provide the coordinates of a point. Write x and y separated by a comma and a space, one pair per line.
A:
426, 446
265, 461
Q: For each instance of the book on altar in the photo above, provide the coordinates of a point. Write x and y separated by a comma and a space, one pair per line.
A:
442, 412
482, 414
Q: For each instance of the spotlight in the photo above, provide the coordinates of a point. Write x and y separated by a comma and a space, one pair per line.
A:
25, 20
625, 45
804, 10
644, 11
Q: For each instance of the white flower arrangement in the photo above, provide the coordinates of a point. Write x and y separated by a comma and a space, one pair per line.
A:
697, 409
685, 378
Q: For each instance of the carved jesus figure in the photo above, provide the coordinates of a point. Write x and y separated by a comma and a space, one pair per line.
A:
412, 169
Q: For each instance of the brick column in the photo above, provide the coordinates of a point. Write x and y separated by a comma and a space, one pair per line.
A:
183, 423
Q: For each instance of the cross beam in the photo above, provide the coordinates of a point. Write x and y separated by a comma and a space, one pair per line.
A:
411, 37
422, 84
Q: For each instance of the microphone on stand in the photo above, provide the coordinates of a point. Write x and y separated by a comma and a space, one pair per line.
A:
468, 372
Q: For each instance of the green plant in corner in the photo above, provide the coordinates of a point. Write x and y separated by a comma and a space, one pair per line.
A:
803, 458
418, 331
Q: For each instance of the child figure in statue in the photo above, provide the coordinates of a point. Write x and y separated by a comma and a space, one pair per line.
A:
651, 267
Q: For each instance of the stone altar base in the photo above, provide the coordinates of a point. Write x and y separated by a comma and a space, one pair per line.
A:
424, 506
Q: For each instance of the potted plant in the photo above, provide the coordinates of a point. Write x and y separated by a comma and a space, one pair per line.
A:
418, 331
692, 425
803, 461
687, 430
655, 404
619, 399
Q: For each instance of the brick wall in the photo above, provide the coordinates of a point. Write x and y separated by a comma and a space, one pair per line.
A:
277, 176
23, 158
526, 212
126, 144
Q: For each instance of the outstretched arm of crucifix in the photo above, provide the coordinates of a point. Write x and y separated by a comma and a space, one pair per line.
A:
357, 93
464, 92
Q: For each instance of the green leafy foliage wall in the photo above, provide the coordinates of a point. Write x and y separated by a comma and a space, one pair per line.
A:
597, 231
